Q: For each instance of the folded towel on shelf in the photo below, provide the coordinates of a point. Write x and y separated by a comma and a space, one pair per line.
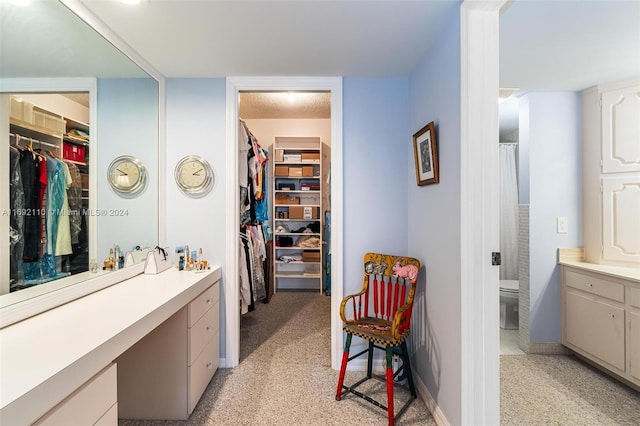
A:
291, 258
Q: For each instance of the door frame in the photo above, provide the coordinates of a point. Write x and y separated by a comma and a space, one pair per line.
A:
480, 227
235, 85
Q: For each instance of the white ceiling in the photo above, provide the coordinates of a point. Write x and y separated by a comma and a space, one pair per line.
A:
213, 38
568, 45
565, 45
544, 45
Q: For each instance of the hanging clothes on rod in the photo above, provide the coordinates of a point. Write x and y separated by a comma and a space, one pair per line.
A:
251, 267
254, 230
252, 172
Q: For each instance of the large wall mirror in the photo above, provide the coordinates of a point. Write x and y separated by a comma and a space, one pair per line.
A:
70, 96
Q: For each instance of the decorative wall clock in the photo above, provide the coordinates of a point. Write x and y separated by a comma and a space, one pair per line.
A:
127, 176
194, 176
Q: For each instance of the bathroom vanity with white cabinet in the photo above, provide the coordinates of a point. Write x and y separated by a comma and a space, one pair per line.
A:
72, 360
601, 315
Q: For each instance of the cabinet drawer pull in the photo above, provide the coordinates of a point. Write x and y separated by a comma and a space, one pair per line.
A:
589, 285
209, 328
209, 301
612, 315
209, 364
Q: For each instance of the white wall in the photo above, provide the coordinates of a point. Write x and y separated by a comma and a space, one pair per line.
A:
555, 164
266, 129
196, 125
433, 214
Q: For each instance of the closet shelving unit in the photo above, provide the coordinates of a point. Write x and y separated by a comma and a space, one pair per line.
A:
42, 130
297, 204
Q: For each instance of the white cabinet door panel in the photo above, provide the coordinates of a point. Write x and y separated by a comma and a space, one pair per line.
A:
634, 344
596, 327
621, 218
621, 130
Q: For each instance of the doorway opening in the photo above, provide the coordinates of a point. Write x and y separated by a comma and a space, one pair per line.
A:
267, 126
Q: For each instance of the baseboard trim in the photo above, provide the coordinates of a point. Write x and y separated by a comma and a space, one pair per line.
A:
548, 349
428, 400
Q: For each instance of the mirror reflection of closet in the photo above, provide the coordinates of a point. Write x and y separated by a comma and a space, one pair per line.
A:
46, 50
48, 187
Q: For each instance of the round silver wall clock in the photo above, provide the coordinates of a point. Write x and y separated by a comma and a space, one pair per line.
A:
194, 176
127, 176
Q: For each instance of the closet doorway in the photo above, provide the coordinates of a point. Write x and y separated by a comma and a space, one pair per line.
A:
305, 109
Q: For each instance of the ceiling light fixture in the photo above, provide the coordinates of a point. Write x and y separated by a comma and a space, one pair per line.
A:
291, 97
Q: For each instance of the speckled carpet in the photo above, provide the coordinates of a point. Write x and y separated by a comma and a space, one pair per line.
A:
562, 390
284, 378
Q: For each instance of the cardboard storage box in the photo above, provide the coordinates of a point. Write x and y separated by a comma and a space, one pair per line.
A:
286, 199
303, 212
282, 171
311, 156
84, 177
311, 256
295, 171
307, 171
309, 198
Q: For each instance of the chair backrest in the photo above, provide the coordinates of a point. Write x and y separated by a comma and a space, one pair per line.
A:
389, 284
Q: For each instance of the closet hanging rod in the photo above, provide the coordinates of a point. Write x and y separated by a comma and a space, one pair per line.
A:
19, 137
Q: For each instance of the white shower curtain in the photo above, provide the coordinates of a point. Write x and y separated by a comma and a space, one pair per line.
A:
508, 212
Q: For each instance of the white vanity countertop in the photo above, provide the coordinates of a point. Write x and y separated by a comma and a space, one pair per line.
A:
625, 272
48, 356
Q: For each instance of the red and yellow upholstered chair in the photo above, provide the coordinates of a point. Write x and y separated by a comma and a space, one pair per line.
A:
381, 314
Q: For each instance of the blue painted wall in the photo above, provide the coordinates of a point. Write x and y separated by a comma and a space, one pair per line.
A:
434, 222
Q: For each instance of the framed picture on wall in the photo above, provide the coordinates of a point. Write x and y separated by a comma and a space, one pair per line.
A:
426, 155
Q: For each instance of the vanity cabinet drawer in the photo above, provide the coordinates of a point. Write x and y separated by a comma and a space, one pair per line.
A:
202, 370
594, 285
596, 327
88, 404
203, 303
203, 331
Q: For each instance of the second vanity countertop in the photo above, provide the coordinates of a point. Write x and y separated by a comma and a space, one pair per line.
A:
573, 258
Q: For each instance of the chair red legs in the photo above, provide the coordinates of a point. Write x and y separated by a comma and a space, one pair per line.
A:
343, 367
389, 353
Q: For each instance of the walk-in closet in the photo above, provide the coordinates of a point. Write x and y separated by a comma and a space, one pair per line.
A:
284, 164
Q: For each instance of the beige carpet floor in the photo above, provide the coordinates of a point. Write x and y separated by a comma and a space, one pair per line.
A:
562, 390
284, 378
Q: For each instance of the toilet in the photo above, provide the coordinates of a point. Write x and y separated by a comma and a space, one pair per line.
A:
509, 304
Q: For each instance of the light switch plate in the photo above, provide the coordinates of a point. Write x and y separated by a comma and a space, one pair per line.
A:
563, 224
